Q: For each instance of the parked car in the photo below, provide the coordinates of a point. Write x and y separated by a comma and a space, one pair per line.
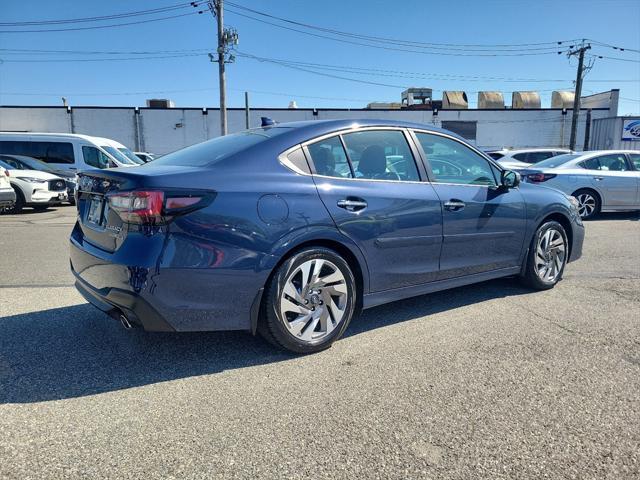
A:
65, 151
605, 180
7, 194
289, 230
522, 158
120, 152
35, 189
20, 162
145, 156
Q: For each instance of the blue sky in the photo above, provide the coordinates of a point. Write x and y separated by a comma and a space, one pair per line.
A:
191, 81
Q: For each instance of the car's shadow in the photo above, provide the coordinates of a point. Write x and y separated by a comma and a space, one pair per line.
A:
633, 216
76, 351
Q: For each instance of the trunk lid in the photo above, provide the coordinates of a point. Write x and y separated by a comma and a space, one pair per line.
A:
101, 225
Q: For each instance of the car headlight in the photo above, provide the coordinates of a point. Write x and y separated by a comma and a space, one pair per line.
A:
32, 180
574, 202
575, 208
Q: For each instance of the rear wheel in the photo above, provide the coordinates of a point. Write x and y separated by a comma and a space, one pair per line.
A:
588, 203
547, 257
309, 302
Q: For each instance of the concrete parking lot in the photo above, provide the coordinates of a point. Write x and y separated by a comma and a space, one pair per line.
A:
486, 381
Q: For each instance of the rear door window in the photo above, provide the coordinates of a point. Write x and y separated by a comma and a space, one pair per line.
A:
381, 155
612, 162
48, 152
635, 159
329, 158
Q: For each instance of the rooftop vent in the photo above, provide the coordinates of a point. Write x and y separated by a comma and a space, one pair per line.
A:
488, 100
160, 103
454, 100
562, 99
520, 100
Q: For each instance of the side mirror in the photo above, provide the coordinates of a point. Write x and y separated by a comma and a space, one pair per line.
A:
510, 179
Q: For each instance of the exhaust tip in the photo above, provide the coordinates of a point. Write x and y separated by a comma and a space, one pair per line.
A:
124, 321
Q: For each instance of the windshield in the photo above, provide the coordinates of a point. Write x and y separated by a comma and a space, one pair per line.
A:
119, 156
37, 165
131, 156
213, 151
557, 160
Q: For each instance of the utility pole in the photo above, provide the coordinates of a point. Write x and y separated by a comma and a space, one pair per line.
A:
246, 109
578, 93
226, 37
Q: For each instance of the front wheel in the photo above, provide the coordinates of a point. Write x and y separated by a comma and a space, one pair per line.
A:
547, 257
309, 301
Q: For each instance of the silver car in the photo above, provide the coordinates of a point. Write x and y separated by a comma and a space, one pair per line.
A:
604, 180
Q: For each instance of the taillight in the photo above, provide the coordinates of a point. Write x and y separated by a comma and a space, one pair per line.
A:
6, 172
540, 177
155, 207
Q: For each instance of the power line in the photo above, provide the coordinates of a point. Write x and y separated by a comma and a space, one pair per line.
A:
614, 58
433, 45
383, 47
156, 54
96, 27
614, 47
167, 8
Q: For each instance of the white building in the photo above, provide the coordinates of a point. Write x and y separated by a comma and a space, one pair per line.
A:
162, 130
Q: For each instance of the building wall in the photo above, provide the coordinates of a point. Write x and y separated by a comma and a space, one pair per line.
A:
606, 134
164, 130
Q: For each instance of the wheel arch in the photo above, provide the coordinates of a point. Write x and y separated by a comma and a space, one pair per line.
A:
566, 224
343, 246
595, 190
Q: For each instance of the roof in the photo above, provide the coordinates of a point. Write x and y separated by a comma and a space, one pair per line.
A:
305, 130
52, 134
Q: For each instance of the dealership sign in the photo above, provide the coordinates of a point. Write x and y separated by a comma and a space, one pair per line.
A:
631, 129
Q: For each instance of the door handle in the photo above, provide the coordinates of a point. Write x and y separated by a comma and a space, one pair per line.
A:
454, 205
352, 204
598, 178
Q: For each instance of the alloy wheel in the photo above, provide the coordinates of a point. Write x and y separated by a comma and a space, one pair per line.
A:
586, 204
313, 300
551, 254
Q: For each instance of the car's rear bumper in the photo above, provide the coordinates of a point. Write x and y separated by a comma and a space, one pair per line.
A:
115, 301
158, 292
7, 198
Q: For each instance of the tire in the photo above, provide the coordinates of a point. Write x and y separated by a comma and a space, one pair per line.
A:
19, 205
302, 319
547, 257
589, 201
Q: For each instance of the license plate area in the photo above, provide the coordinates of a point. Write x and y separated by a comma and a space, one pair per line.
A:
95, 214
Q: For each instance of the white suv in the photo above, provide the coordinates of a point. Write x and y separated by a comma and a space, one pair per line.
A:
35, 189
7, 195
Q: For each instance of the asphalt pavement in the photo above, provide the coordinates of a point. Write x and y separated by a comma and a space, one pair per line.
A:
486, 381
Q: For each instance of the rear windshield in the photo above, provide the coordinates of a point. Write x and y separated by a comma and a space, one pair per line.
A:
212, 151
557, 160
495, 155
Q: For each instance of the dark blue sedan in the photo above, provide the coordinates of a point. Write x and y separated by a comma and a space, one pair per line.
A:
290, 229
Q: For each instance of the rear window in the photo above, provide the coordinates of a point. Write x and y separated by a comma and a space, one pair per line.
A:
212, 151
556, 161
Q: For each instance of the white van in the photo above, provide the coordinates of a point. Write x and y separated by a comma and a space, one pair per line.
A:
67, 151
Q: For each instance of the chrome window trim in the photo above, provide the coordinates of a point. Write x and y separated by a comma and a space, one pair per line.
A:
413, 146
338, 133
284, 160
